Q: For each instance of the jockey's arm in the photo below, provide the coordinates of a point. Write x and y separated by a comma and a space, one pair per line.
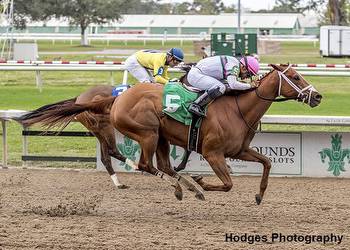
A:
160, 79
233, 83
160, 73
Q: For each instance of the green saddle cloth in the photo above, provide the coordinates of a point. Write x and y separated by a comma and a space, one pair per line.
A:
176, 100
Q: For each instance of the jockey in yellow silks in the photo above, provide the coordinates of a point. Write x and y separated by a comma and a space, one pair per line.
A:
142, 62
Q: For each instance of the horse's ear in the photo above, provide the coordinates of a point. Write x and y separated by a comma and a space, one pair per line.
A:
275, 67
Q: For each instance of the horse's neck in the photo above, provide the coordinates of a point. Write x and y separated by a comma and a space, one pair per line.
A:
253, 107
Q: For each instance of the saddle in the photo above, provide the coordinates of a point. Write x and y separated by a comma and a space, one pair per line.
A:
177, 97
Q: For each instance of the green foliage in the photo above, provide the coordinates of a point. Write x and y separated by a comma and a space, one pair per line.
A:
33, 10
287, 6
84, 12
207, 7
80, 13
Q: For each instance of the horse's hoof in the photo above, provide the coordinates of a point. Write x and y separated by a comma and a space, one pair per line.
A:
197, 178
258, 199
122, 186
178, 195
200, 196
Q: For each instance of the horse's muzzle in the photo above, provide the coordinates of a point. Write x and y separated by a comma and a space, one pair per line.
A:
315, 99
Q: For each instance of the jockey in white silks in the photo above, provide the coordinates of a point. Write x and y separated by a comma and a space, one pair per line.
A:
218, 74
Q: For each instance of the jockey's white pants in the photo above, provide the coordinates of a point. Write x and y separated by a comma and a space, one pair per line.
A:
204, 82
137, 70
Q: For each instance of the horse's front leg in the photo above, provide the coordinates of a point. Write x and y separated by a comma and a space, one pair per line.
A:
252, 155
219, 166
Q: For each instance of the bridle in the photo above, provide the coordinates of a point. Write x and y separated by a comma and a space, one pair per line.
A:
303, 95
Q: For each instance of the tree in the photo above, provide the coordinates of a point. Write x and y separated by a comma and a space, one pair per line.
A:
337, 12
80, 13
207, 7
181, 8
287, 6
32, 10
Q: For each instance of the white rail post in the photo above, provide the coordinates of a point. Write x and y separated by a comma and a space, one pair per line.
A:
125, 77
39, 82
4, 143
112, 78
24, 146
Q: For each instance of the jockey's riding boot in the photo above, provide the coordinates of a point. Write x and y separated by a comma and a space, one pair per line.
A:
197, 107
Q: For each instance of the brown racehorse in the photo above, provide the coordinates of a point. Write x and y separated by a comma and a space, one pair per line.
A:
225, 133
97, 124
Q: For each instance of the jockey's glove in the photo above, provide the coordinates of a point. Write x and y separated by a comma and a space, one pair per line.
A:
254, 84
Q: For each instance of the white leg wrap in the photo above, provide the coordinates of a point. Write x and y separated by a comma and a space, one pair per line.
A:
115, 180
131, 164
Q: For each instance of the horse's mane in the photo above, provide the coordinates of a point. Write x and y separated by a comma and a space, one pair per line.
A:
267, 73
186, 67
238, 92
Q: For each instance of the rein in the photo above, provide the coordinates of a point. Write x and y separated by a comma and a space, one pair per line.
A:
302, 96
242, 116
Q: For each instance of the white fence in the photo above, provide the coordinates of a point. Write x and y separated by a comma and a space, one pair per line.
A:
38, 66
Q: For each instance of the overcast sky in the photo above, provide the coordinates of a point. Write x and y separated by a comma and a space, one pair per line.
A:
251, 4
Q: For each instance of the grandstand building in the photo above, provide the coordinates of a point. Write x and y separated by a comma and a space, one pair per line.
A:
260, 23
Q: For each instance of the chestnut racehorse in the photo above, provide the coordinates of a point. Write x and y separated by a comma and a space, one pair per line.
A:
98, 124
226, 132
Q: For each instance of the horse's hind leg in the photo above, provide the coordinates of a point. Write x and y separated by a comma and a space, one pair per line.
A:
148, 146
219, 166
163, 164
107, 162
100, 126
252, 155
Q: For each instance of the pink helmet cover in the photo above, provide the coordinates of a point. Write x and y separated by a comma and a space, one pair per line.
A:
253, 64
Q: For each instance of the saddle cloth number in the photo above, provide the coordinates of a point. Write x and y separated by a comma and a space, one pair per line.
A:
172, 103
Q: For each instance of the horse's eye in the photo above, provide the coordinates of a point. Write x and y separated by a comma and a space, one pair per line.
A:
297, 78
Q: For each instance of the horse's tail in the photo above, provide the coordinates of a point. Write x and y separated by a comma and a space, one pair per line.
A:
60, 114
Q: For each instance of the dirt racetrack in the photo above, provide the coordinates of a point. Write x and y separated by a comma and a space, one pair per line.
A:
71, 209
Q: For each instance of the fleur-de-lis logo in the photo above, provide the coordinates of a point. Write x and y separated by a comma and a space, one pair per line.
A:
129, 150
336, 155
